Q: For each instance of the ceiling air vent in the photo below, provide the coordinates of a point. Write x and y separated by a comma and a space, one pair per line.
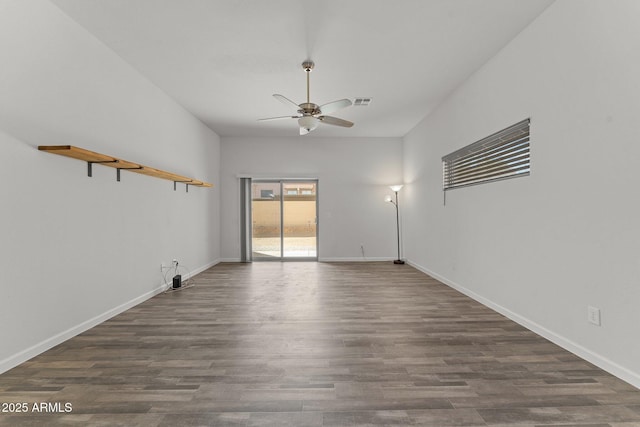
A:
362, 102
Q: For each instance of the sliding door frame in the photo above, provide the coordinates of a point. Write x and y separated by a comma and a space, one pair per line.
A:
246, 240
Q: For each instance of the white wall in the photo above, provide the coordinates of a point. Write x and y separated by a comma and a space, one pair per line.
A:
353, 177
542, 248
76, 250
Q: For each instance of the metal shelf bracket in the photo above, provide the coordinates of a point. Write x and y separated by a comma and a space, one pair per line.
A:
182, 182
90, 165
119, 169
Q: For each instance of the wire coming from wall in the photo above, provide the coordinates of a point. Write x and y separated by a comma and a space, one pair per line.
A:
177, 269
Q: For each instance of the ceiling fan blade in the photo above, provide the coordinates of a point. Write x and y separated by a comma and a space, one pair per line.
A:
286, 101
335, 121
278, 118
334, 106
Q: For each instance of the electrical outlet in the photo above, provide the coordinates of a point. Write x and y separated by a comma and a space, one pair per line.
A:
161, 267
593, 315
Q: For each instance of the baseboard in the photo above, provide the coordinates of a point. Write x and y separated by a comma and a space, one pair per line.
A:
329, 259
355, 259
604, 363
203, 268
21, 357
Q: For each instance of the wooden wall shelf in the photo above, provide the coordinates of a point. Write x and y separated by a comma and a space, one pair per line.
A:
119, 164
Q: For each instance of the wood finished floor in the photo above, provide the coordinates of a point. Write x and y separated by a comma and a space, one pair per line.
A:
315, 344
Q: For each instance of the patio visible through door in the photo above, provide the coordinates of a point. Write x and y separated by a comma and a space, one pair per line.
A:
284, 219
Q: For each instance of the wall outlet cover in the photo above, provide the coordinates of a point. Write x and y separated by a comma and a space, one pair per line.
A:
593, 315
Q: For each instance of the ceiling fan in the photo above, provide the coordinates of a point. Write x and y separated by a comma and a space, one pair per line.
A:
310, 115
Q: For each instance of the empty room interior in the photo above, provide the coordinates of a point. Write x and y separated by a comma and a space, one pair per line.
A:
320, 213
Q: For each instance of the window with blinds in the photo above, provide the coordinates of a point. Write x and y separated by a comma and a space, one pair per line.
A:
504, 154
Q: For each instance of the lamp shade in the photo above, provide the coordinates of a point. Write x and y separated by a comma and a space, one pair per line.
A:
387, 198
396, 187
308, 123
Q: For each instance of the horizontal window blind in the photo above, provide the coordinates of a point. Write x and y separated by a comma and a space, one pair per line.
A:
505, 154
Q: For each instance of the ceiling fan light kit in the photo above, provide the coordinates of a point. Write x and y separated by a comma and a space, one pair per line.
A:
310, 115
307, 124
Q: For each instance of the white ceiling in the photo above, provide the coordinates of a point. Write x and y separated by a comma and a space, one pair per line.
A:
223, 59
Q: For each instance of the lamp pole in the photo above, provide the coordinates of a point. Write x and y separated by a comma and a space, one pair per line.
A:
395, 189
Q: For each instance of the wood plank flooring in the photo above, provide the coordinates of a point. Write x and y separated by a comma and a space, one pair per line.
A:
315, 344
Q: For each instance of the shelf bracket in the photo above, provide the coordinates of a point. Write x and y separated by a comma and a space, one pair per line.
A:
119, 169
90, 165
185, 182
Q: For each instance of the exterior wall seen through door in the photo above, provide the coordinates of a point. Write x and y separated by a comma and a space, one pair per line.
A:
300, 210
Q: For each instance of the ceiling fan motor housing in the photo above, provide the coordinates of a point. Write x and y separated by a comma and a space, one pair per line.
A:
309, 109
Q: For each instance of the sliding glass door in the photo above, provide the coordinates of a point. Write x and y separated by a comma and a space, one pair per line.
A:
299, 219
266, 212
284, 220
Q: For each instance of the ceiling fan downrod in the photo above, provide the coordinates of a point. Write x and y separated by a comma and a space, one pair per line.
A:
308, 67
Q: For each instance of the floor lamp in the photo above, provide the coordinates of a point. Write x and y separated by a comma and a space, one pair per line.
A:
395, 189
